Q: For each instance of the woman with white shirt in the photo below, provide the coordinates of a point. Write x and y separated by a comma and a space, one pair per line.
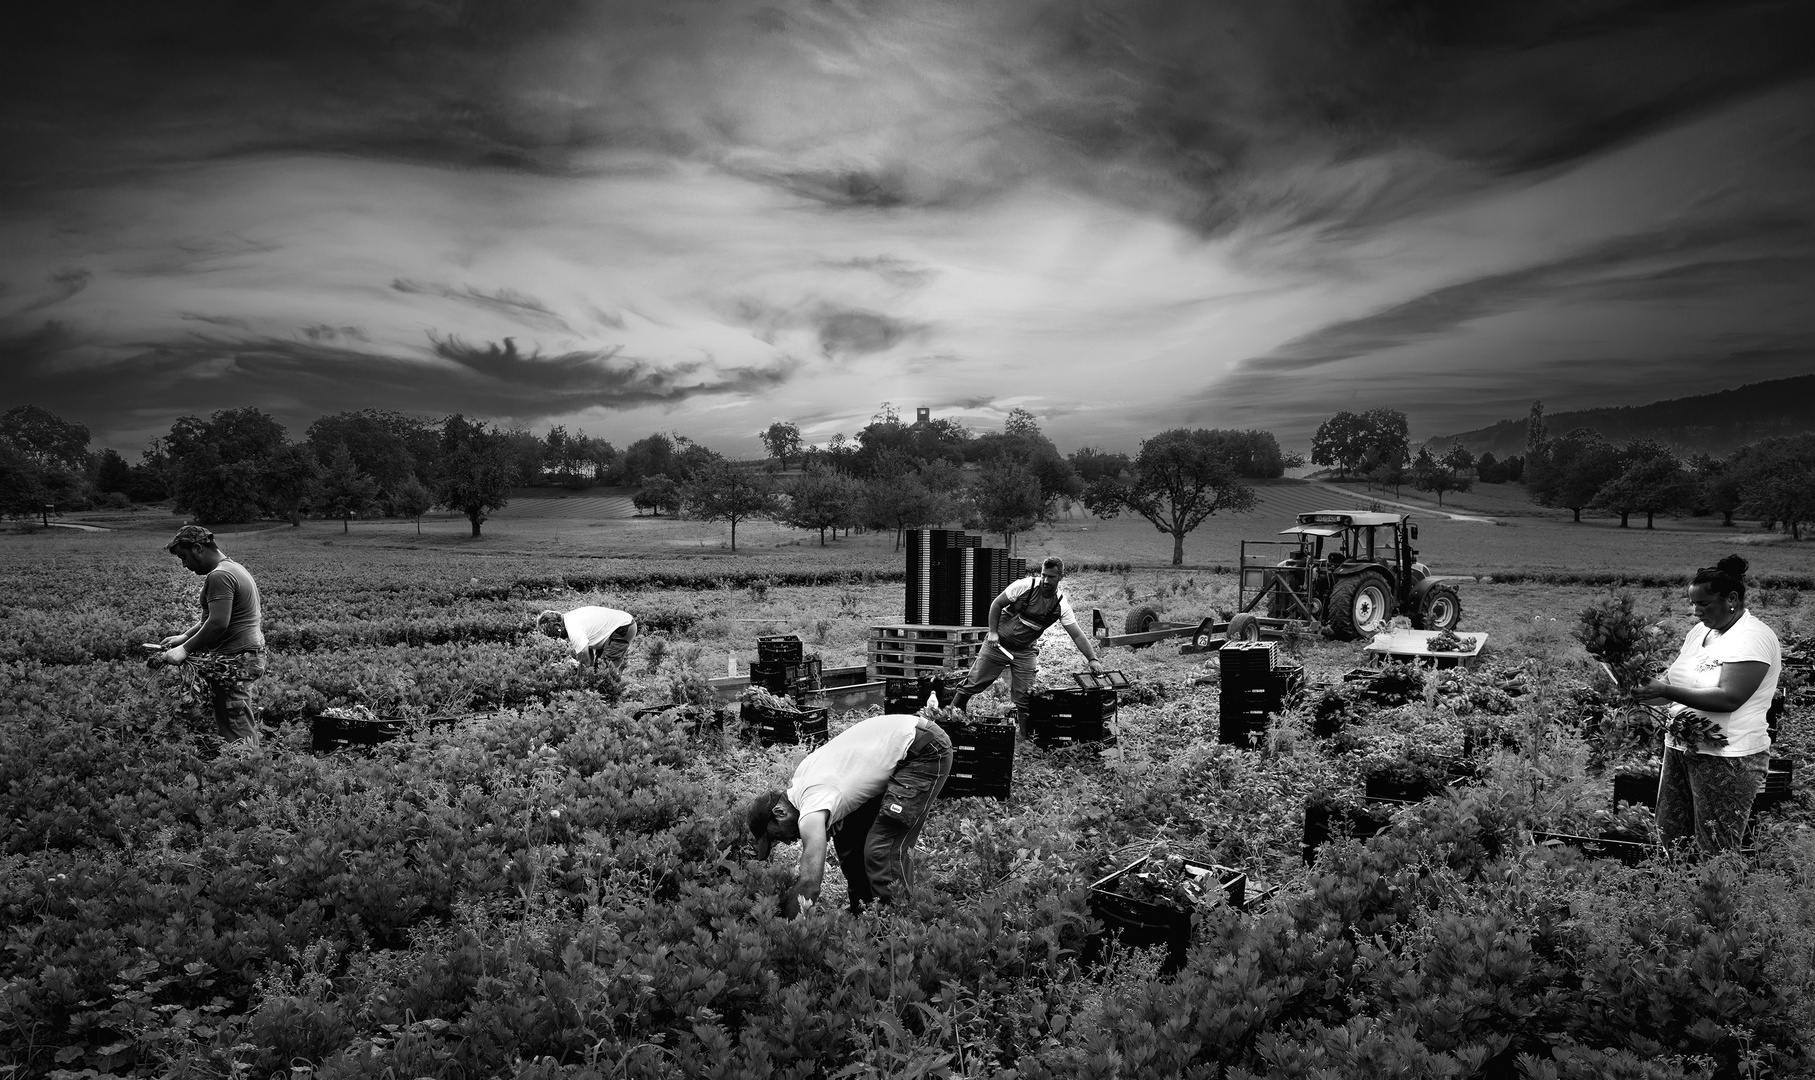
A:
1726, 673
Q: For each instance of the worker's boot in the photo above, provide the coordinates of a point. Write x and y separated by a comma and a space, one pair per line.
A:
960, 699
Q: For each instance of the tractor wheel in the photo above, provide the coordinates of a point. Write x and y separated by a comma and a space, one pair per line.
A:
1441, 609
1141, 620
1359, 606
1243, 627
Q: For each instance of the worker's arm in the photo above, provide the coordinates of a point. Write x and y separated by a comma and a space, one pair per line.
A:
1082, 641
1739, 680
995, 613
184, 634
203, 634
813, 828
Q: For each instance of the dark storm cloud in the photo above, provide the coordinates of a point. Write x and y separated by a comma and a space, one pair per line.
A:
852, 332
1627, 265
314, 376
508, 302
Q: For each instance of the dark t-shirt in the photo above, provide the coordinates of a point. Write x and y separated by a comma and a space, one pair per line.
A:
245, 628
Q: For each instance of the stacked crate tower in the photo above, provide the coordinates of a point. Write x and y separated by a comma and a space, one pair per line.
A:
952, 578
1254, 683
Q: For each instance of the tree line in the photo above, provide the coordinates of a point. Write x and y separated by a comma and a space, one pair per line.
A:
241, 465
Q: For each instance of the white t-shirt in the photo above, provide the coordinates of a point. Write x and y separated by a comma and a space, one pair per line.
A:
852, 768
588, 627
1698, 666
1018, 588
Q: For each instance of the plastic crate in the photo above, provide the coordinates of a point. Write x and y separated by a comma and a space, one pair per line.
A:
1145, 923
983, 760
787, 726
785, 679
1058, 718
1323, 821
1630, 852
1638, 788
779, 649
330, 733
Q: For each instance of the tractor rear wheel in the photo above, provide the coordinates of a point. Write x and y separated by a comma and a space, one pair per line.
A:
1243, 627
1139, 621
1359, 606
1441, 609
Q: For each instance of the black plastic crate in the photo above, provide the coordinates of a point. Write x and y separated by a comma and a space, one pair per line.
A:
1242, 660
1638, 788
330, 733
1323, 821
983, 759
787, 726
787, 679
1146, 924
1064, 717
1630, 852
901, 695
1777, 783
779, 649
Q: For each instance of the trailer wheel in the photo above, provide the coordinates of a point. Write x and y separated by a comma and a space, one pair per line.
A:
1139, 621
1243, 627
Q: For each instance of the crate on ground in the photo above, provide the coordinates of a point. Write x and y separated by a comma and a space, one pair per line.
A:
779, 649
908, 651
341, 727
785, 679
1057, 718
1146, 924
1324, 821
1639, 788
1776, 788
789, 727
1249, 695
1630, 852
901, 695
983, 759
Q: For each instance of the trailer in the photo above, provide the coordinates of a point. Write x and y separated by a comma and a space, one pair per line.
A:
1144, 626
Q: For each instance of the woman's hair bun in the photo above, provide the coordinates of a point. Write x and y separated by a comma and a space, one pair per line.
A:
1734, 566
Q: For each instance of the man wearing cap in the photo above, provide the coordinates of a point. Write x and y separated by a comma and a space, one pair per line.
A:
595, 631
223, 653
1017, 618
869, 791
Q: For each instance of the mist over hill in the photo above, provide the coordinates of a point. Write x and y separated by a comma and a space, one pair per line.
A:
1714, 423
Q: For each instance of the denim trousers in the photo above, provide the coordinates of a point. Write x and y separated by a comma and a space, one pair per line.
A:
1707, 797
873, 840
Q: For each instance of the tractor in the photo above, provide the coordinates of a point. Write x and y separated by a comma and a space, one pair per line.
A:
1347, 572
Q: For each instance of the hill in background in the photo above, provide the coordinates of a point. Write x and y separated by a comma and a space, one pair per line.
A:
1715, 423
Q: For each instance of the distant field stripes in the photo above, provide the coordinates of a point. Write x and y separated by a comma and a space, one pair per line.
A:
579, 507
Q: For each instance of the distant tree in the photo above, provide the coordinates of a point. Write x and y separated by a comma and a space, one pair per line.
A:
1386, 474
1454, 471
1571, 470
1489, 470
22, 491
1719, 482
1091, 464
151, 476
1651, 484
477, 469
412, 500
1008, 500
45, 438
1515, 468
523, 450
1778, 481
1180, 478
691, 458
1347, 440
821, 499
782, 441
902, 497
1537, 432
217, 466
287, 481
720, 491
345, 491
658, 494
1253, 454
649, 456
112, 473
375, 439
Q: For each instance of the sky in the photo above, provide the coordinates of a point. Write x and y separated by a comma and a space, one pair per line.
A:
705, 216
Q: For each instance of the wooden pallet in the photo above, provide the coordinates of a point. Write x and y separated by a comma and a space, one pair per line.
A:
908, 651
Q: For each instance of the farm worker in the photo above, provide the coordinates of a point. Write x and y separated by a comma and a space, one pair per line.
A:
598, 631
1017, 618
223, 653
869, 791
1727, 672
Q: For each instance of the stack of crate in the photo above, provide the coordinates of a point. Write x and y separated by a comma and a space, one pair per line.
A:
952, 578
1057, 718
1254, 684
782, 669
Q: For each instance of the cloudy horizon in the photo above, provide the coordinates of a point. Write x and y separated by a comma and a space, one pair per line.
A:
703, 216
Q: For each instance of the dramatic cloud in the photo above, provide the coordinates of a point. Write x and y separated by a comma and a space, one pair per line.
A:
707, 214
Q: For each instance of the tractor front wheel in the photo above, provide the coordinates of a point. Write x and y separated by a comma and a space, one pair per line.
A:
1359, 606
1441, 609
